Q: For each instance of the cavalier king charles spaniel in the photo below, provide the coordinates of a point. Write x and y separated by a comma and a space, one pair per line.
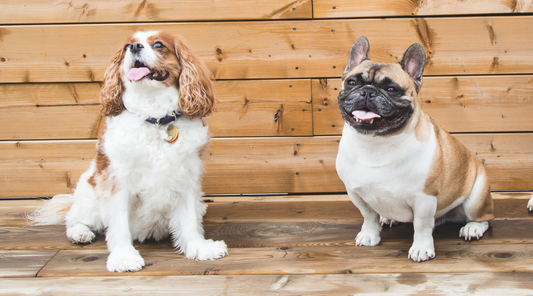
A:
145, 181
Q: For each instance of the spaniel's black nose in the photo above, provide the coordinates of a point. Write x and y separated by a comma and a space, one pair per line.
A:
136, 47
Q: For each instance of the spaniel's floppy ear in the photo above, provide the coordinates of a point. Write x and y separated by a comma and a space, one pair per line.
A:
112, 88
197, 98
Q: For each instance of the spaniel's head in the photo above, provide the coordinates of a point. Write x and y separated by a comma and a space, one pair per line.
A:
155, 60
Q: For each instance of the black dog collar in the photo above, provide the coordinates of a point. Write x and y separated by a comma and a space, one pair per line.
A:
165, 120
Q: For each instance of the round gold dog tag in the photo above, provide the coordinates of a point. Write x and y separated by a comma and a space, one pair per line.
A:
173, 133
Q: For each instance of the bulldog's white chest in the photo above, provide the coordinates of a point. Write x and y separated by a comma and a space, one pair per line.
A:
388, 174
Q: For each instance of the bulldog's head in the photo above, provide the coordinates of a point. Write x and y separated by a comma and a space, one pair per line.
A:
380, 98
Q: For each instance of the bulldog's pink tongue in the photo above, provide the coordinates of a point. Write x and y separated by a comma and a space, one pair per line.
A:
137, 73
364, 115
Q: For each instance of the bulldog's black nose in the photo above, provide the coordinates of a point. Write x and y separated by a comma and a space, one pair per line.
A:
368, 93
136, 47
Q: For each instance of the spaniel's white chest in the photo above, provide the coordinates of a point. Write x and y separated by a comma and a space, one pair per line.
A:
141, 151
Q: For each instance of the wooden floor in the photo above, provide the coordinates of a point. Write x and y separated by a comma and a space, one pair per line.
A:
295, 245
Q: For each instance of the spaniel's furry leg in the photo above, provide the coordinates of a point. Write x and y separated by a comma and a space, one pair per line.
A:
188, 233
123, 256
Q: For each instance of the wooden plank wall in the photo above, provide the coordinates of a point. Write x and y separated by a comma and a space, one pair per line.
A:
278, 65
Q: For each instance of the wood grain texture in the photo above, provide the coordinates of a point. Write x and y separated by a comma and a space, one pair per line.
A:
490, 284
287, 208
282, 49
34, 11
23, 263
304, 260
278, 233
274, 224
262, 108
247, 165
48, 94
71, 110
458, 104
381, 8
54, 122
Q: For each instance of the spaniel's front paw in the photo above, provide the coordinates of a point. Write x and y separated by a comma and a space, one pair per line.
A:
122, 260
202, 249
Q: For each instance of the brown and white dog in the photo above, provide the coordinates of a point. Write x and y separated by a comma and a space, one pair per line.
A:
145, 181
395, 161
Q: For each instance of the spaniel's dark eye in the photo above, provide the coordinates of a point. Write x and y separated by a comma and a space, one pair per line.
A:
392, 89
158, 45
351, 82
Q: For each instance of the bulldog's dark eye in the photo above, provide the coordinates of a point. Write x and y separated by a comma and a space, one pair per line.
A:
158, 45
392, 89
351, 82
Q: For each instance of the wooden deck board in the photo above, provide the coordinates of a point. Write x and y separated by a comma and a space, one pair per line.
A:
23, 263
491, 284
305, 260
276, 234
268, 238
269, 224
237, 209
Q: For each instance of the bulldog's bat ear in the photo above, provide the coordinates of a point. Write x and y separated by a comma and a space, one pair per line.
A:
358, 53
413, 62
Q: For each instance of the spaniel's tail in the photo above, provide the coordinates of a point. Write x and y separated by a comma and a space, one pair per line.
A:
52, 212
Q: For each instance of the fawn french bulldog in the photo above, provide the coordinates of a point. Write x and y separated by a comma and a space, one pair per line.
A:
395, 161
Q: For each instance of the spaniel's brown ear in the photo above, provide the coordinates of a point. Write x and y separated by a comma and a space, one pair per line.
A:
112, 88
197, 98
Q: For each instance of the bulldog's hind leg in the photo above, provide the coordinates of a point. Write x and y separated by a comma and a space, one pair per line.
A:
387, 222
530, 204
478, 209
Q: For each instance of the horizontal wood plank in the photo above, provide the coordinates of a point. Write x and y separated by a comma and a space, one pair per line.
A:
101, 11
23, 263
271, 224
293, 208
278, 233
283, 49
490, 284
459, 104
247, 165
381, 8
304, 260
71, 110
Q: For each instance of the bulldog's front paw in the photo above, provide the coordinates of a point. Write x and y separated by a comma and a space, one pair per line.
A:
530, 204
384, 221
121, 260
421, 252
473, 230
206, 249
367, 238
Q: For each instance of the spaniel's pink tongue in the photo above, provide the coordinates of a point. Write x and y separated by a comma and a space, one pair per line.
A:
364, 116
137, 73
